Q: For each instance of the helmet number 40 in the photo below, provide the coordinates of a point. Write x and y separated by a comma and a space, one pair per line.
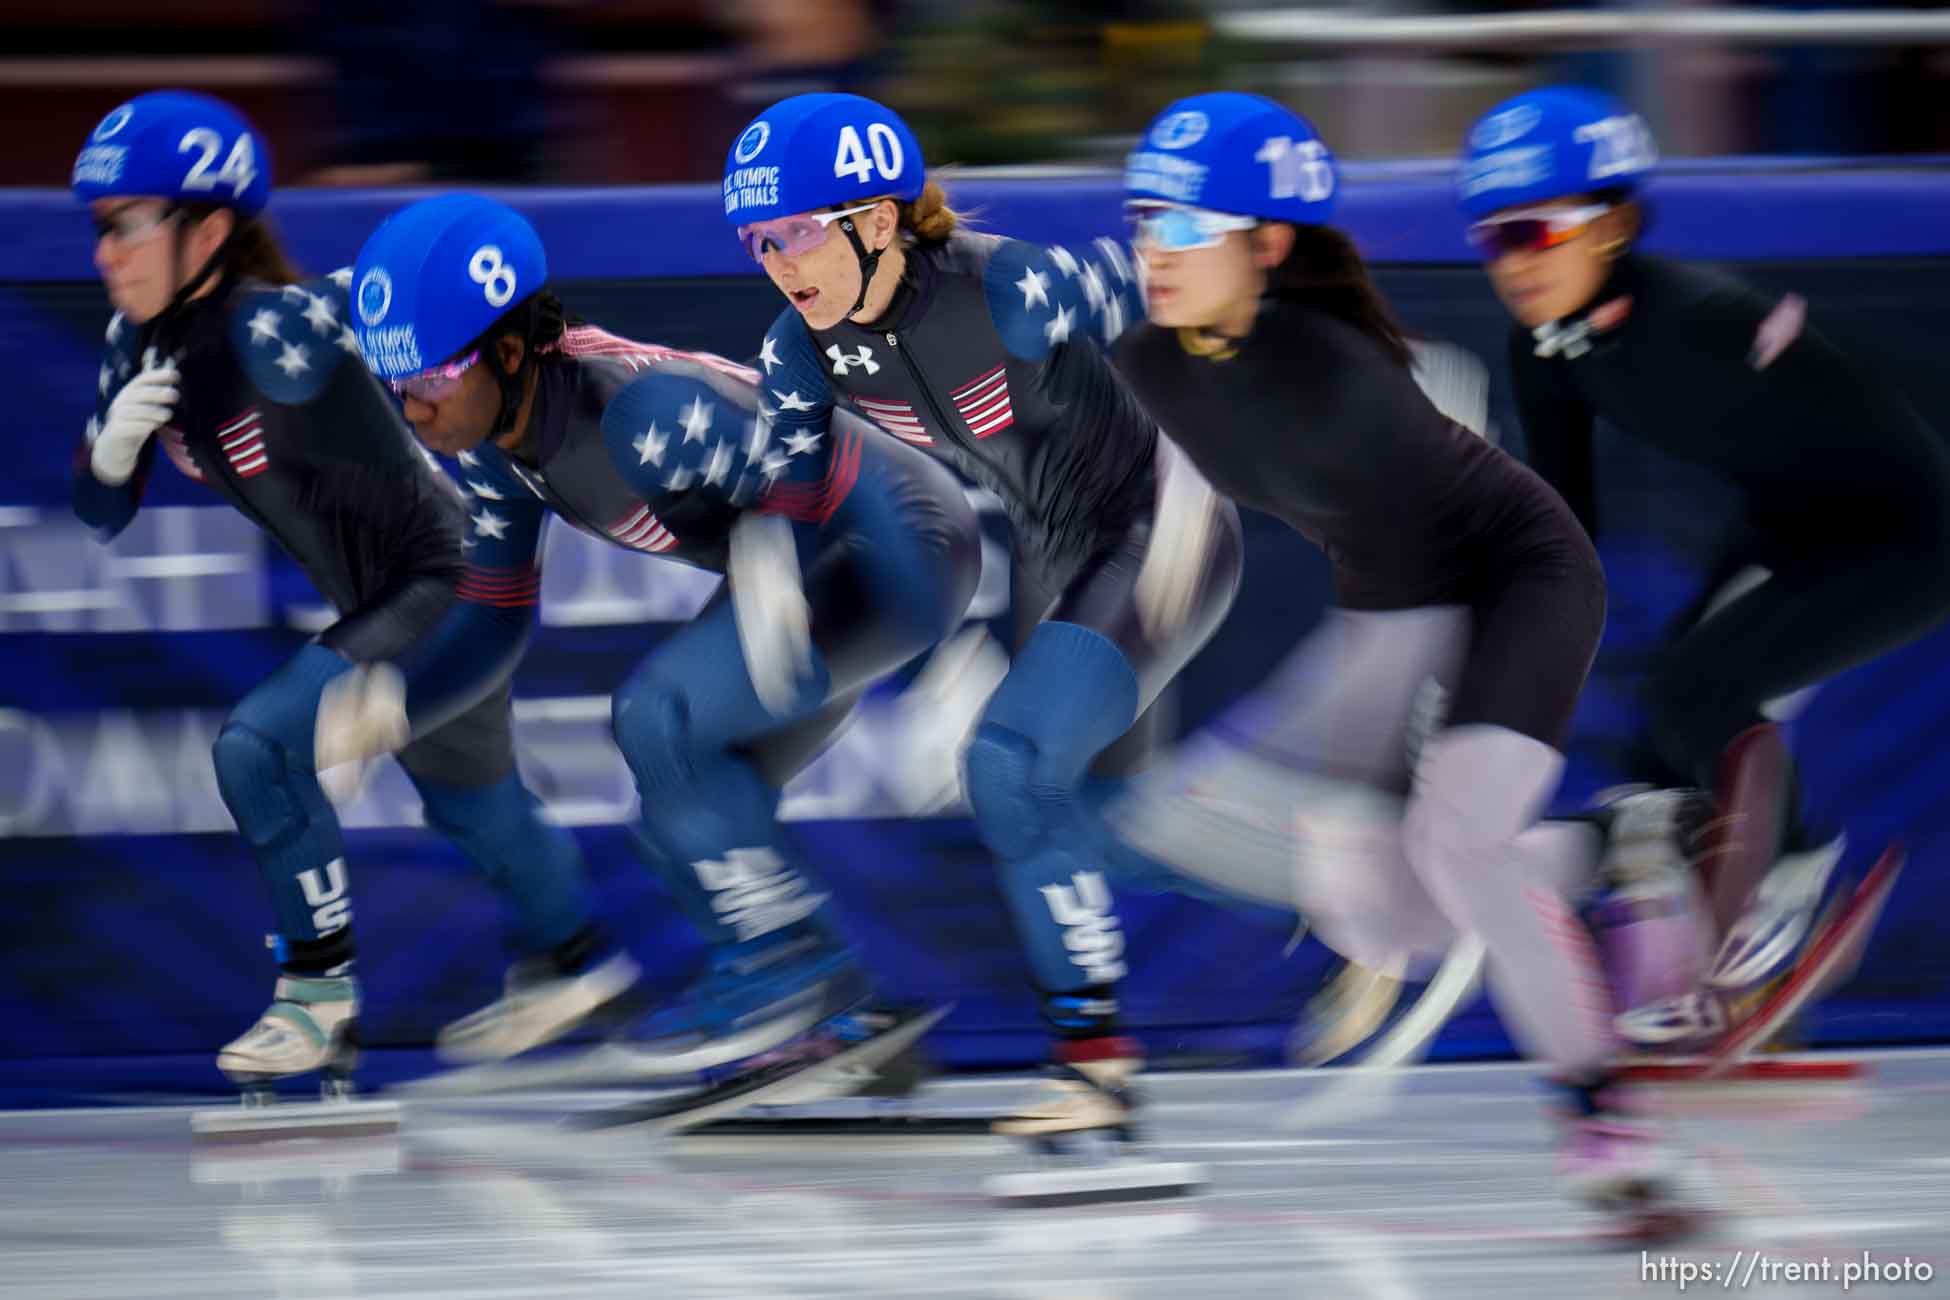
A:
238, 171
495, 276
1299, 169
852, 160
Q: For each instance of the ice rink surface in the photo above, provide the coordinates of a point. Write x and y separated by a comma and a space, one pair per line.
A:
1434, 1182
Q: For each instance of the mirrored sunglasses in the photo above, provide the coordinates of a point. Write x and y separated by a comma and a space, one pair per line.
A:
438, 384
1181, 230
794, 235
1532, 230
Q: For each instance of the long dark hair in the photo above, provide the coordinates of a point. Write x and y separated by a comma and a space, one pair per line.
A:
1325, 271
252, 252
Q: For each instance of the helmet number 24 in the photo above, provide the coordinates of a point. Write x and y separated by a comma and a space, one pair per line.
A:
239, 169
851, 159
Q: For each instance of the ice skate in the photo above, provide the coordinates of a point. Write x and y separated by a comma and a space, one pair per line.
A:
1621, 1164
854, 1053
1083, 1128
310, 1027
752, 998
1350, 1011
539, 1005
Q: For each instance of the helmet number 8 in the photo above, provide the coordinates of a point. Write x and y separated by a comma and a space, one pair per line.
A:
239, 169
851, 159
496, 277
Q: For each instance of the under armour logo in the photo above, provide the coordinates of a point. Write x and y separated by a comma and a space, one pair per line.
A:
843, 363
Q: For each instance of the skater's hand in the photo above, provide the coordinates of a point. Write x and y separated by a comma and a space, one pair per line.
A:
144, 405
769, 606
1181, 541
361, 714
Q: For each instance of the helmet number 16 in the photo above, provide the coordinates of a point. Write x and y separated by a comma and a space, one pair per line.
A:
851, 159
1299, 169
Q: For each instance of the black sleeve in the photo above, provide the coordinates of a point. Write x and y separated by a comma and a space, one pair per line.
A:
1557, 428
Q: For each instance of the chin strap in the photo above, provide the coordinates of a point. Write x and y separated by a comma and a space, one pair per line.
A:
214, 266
511, 385
869, 263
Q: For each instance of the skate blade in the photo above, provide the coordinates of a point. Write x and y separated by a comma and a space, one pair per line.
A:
1096, 1185
1693, 1069
1837, 945
767, 1086
280, 1121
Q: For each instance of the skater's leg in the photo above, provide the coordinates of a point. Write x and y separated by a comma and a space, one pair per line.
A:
1793, 631
566, 966
263, 759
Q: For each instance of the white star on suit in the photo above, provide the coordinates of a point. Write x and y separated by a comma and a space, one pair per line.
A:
348, 341
799, 444
773, 466
697, 420
115, 328
321, 315
1062, 259
1058, 330
1093, 286
292, 360
102, 378
1035, 288
678, 479
93, 430
768, 354
718, 468
1114, 257
341, 277
761, 434
483, 490
792, 401
650, 447
468, 458
489, 524
293, 293
264, 325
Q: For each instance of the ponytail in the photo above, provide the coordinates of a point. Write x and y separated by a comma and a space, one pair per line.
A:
1324, 271
929, 219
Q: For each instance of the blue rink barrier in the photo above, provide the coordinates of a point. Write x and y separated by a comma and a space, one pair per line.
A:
131, 921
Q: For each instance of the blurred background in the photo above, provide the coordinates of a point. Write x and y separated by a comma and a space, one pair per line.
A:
361, 92
1809, 151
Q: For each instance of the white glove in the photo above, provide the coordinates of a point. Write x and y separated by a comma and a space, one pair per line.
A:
1181, 544
774, 621
144, 405
361, 714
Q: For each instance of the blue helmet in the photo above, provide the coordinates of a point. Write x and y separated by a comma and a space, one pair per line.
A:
174, 144
1550, 144
1230, 152
436, 275
819, 151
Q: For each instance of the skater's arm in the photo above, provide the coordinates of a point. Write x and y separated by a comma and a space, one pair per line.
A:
112, 463
483, 635
1043, 298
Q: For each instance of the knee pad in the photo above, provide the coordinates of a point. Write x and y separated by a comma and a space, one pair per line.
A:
1014, 814
651, 725
254, 775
